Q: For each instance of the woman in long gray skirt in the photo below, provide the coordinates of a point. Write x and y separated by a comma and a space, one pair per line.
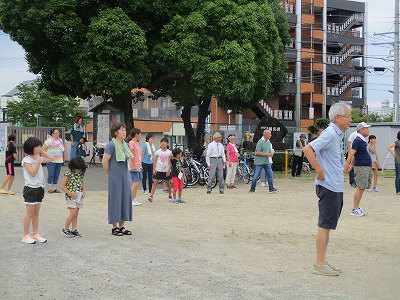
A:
115, 164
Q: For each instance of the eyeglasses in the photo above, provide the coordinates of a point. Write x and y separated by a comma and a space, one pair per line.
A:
218, 137
347, 117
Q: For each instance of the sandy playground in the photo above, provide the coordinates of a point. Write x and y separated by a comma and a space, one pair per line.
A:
232, 246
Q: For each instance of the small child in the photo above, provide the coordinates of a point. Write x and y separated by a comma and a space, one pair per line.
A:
375, 161
11, 155
82, 149
72, 185
34, 187
162, 168
177, 174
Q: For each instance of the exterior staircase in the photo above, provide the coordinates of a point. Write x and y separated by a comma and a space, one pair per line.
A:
345, 25
343, 84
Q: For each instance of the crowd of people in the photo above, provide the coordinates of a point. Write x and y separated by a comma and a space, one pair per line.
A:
127, 163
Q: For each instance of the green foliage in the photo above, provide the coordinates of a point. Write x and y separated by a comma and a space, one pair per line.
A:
189, 49
278, 161
322, 123
53, 111
357, 117
312, 129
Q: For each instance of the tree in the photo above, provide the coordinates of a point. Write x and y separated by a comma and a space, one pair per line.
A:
54, 111
191, 50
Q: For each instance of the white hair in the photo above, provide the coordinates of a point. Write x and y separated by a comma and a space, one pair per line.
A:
338, 109
216, 134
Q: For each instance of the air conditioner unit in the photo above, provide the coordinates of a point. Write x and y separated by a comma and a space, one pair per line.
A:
135, 113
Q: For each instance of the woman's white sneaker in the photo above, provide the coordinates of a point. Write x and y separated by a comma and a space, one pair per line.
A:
38, 238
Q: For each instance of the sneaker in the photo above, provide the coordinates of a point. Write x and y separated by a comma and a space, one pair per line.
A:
375, 190
398, 194
165, 190
252, 191
38, 238
10, 192
233, 186
176, 201
67, 233
353, 185
333, 268
28, 239
150, 198
358, 212
221, 192
209, 192
229, 187
2, 191
146, 192
181, 201
325, 270
263, 184
136, 202
170, 199
368, 190
271, 191
75, 233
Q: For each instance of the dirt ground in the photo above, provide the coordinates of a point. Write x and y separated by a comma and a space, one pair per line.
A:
232, 246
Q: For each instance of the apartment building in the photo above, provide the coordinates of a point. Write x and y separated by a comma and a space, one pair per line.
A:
326, 62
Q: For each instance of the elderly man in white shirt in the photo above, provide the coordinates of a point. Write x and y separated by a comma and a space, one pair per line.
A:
216, 161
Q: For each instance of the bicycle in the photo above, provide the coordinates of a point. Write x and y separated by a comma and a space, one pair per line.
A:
97, 151
243, 171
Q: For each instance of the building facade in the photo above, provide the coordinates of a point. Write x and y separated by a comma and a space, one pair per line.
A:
326, 62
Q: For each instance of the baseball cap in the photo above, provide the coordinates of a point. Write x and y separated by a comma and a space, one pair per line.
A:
302, 135
362, 125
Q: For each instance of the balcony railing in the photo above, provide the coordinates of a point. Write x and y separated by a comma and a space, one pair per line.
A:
338, 89
338, 59
340, 28
160, 113
280, 114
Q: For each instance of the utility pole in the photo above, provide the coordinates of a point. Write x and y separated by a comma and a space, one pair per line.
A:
396, 61
396, 69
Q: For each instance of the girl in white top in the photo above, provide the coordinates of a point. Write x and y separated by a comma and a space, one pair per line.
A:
162, 168
34, 187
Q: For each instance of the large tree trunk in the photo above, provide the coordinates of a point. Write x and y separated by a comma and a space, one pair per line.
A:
201, 121
187, 124
124, 102
196, 141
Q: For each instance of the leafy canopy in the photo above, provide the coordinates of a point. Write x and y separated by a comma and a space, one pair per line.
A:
52, 111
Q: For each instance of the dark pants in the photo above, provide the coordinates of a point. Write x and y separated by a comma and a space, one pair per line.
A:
397, 180
297, 165
147, 173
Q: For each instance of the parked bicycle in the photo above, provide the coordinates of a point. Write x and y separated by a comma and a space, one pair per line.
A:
97, 151
243, 170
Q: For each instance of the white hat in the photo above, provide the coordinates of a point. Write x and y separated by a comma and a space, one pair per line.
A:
362, 125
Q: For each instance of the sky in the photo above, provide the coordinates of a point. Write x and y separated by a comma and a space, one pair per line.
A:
380, 16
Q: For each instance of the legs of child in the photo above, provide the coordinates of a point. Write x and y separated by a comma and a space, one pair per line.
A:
153, 190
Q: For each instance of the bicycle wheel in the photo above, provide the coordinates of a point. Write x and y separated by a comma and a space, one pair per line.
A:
246, 176
192, 177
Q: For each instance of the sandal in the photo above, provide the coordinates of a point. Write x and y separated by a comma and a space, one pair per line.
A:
116, 231
56, 191
125, 231
50, 191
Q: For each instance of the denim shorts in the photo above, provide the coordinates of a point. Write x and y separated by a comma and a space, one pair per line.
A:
136, 176
330, 206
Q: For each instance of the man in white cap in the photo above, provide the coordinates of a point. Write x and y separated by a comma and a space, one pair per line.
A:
359, 157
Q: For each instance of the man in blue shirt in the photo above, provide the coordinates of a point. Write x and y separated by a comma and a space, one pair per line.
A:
360, 158
326, 155
261, 161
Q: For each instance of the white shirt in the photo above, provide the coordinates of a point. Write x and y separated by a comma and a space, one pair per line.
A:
163, 160
37, 180
215, 149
